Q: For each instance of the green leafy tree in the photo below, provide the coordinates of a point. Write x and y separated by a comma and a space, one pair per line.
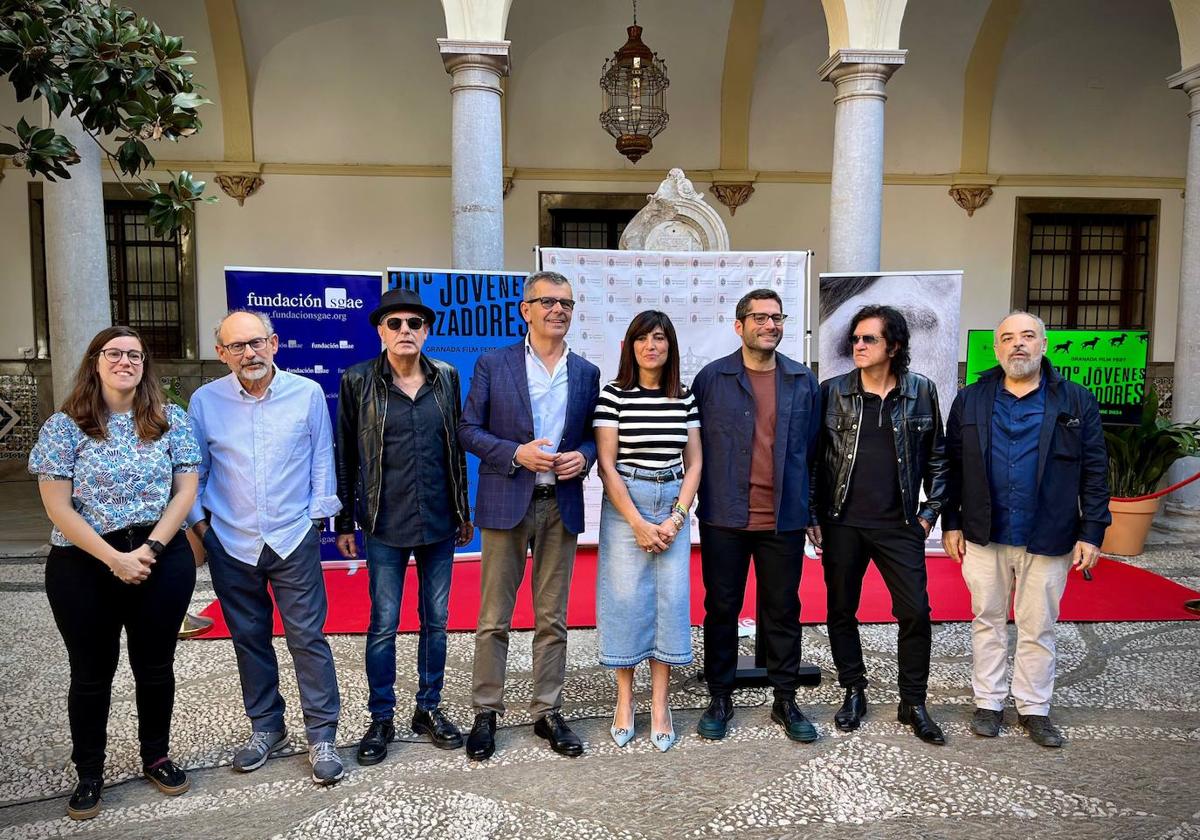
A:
115, 72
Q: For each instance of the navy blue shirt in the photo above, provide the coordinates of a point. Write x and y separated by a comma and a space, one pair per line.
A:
1012, 471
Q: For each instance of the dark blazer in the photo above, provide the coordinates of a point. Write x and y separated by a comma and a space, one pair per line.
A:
725, 399
1072, 470
497, 418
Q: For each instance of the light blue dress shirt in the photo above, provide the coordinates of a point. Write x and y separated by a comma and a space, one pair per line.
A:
266, 464
548, 401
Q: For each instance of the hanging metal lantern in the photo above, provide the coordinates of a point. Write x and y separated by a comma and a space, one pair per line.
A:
633, 83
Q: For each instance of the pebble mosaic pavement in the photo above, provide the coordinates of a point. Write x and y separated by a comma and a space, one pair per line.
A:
1127, 701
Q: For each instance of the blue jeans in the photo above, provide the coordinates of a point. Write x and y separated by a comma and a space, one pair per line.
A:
386, 566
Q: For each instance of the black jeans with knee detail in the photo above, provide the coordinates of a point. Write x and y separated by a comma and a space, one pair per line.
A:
91, 605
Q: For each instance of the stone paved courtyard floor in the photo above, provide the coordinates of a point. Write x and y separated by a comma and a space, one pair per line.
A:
1127, 700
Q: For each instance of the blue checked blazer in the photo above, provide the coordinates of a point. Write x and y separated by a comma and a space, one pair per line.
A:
497, 418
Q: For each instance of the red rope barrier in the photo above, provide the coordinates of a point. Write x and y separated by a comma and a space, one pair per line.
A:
1160, 493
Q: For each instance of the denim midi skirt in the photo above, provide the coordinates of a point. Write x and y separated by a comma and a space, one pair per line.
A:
643, 600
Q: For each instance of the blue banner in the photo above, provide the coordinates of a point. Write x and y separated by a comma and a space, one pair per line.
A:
476, 312
321, 318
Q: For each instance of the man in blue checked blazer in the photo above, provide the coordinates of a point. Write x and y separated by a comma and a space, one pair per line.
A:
528, 418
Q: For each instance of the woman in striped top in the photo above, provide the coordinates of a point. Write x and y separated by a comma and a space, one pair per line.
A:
648, 450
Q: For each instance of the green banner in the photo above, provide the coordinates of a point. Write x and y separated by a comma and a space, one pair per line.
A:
1109, 363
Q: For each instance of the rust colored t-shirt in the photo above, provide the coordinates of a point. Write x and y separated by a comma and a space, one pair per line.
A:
762, 453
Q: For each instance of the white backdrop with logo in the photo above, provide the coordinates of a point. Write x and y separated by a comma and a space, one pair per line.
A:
697, 289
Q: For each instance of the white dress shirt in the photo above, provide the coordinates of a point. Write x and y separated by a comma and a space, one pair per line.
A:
266, 469
548, 400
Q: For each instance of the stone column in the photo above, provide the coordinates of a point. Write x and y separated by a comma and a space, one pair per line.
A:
477, 153
1181, 516
77, 297
856, 188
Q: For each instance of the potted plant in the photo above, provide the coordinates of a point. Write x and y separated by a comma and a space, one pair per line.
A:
1138, 459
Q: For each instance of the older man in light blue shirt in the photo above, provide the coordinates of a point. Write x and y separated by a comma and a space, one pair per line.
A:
266, 483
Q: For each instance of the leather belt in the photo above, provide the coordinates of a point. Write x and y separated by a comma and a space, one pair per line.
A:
543, 491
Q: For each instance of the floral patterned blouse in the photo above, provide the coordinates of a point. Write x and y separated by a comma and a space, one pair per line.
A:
120, 481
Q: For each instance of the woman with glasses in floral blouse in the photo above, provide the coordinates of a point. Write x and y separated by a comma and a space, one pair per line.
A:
117, 473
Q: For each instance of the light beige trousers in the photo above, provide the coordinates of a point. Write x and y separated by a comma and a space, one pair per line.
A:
1034, 583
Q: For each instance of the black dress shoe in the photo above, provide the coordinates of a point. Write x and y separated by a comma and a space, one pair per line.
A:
481, 743
714, 723
442, 732
85, 800
373, 747
167, 777
917, 716
562, 740
853, 710
787, 714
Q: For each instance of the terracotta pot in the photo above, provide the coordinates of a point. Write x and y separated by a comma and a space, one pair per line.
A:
1130, 524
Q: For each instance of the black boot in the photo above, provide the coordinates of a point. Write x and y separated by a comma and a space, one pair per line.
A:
853, 710
481, 743
917, 716
373, 747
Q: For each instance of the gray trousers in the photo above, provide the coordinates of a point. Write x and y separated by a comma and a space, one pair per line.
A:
299, 591
502, 567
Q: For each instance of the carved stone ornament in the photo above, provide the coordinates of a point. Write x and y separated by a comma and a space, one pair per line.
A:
733, 196
508, 185
676, 218
239, 187
3, 161
970, 198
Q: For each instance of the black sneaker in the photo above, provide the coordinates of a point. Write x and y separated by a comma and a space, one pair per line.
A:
373, 748
167, 776
1041, 731
714, 723
987, 722
85, 800
442, 732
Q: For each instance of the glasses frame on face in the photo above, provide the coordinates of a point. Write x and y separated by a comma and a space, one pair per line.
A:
415, 323
113, 355
238, 348
760, 318
868, 340
548, 303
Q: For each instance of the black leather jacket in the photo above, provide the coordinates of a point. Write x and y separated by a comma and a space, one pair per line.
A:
358, 437
920, 446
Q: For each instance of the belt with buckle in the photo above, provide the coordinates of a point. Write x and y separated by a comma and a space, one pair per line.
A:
543, 491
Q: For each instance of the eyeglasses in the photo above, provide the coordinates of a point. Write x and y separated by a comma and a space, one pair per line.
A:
238, 348
869, 340
114, 355
548, 303
760, 318
415, 322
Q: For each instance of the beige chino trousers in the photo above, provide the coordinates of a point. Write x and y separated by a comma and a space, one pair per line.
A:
997, 575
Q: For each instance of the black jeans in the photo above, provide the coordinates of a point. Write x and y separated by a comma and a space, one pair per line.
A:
90, 606
778, 561
899, 554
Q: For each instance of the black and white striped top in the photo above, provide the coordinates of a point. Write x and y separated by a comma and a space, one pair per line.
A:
652, 429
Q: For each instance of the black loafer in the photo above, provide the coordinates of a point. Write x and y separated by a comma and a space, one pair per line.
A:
562, 740
917, 716
787, 714
481, 742
85, 800
168, 777
373, 748
442, 732
853, 710
714, 723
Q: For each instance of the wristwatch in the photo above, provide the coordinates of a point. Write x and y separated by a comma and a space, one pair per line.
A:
156, 548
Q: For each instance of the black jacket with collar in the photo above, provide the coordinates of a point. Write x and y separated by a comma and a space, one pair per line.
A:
358, 437
1072, 468
916, 430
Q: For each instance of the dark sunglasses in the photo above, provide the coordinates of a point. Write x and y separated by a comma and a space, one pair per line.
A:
869, 340
415, 322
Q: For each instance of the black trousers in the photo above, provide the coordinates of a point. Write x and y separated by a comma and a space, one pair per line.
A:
90, 606
899, 554
778, 561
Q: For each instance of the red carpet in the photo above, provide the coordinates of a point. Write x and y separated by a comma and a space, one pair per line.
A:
1118, 592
